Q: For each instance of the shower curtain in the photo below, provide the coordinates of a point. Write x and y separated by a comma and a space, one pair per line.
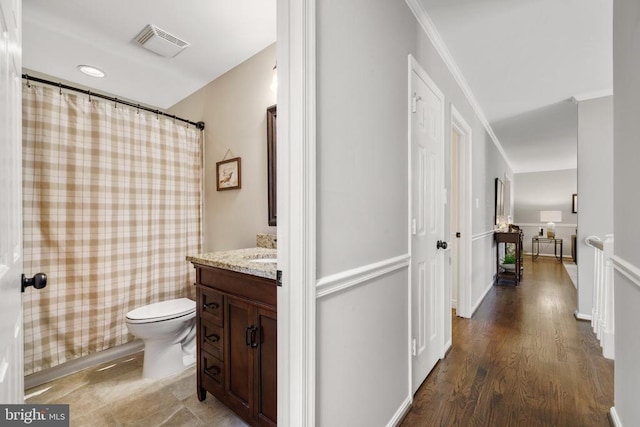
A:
111, 208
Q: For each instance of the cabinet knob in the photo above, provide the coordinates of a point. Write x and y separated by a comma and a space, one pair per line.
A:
214, 371
211, 305
213, 338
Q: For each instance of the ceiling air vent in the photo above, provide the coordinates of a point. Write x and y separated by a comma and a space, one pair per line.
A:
160, 42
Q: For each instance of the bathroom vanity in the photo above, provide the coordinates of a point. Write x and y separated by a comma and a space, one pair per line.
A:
237, 331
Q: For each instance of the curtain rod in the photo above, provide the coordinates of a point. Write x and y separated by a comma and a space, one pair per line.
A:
28, 78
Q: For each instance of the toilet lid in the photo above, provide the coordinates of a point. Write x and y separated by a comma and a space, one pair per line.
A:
163, 310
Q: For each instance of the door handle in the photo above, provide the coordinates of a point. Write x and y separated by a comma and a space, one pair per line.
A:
441, 244
38, 281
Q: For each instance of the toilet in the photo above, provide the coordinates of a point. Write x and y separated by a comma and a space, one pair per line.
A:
168, 330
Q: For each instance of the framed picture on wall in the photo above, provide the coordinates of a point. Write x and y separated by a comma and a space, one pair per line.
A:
499, 201
574, 204
228, 174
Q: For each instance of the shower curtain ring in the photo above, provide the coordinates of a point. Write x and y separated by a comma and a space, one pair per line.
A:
27, 77
115, 103
60, 88
138, 109
89, 95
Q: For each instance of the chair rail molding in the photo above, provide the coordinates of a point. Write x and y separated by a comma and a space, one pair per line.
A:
482, 235
359, 275
627, 269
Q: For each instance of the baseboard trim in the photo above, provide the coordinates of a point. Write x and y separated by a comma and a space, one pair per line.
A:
356, 276
401, 412
613, 416
81, 363
583, 317
528, 254
447, 348
475, 307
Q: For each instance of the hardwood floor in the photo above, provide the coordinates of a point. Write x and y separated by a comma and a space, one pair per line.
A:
522, 360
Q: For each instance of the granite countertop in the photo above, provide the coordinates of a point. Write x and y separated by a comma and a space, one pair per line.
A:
240, 260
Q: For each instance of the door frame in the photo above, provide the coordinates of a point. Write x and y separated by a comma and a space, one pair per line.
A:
465, 212
296, 181
445, 300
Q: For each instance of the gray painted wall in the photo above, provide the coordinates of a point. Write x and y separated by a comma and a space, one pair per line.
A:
595, 188
363, 206
545, 191
626, 204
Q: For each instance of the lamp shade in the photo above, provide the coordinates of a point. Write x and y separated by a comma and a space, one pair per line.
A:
550, 216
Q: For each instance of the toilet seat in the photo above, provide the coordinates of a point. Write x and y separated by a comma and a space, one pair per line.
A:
164, 310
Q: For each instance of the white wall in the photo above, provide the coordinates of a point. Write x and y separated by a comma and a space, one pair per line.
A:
595, 188
626, 204
362, 341
234, 109
546, 191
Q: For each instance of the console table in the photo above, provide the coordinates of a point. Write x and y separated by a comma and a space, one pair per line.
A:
535, 243
515, 238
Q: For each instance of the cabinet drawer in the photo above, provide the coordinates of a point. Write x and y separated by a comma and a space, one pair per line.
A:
212, 339
211, 305
212, 368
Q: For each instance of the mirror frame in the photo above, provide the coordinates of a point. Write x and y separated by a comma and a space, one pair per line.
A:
499, 200
272, 115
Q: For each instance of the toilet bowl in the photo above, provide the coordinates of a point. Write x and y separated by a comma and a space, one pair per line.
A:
168, 331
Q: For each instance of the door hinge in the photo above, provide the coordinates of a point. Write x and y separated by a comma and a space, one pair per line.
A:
458, 235
414, 102
413, 347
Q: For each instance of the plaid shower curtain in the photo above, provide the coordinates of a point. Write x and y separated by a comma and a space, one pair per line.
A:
111, 208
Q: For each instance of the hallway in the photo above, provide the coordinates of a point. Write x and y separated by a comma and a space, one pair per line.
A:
522, 360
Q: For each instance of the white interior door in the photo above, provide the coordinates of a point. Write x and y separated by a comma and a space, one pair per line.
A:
11, 351
427, 224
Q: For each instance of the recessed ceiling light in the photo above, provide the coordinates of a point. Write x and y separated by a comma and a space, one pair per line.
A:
91, 71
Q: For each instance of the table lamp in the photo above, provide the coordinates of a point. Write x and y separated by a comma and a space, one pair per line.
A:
550, 217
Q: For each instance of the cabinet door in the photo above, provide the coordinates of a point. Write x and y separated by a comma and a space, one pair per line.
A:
239, 316
265, 367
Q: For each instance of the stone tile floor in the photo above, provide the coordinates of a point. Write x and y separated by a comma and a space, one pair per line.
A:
115, 394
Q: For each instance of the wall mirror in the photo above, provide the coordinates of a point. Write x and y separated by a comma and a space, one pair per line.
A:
499, 201
271, 164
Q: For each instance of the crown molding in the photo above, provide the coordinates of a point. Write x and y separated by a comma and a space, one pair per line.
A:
430, 30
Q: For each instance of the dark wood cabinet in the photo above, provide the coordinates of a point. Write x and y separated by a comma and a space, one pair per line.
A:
237, 342
502, 273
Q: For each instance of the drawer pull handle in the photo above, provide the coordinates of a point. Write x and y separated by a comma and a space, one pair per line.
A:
213, 338
214, 371
212, 305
